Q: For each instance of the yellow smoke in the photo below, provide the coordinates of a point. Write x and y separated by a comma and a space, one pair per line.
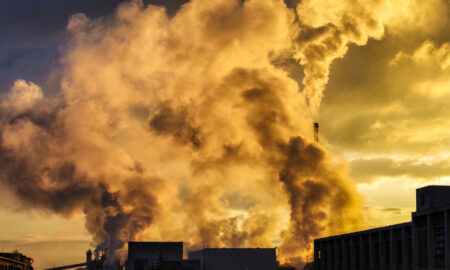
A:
184, 128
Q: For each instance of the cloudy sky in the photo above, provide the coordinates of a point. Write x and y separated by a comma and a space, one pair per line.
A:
386, 110
32, 34
384, 115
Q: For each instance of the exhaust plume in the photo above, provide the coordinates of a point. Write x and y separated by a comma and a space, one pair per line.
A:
183, 128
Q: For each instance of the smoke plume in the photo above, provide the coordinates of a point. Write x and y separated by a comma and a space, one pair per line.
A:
183, 128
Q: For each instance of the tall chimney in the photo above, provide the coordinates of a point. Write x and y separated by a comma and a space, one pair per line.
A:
89, 260
316, 132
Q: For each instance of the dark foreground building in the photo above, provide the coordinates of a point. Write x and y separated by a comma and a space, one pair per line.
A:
15, 261
423, 243
169, 256
236, 258
158, 256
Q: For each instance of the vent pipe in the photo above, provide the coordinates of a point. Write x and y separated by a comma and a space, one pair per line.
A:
316, 132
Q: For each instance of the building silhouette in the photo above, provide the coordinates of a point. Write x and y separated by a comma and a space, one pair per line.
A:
156, 256
423, 243
236, 258
15, 261
169, 256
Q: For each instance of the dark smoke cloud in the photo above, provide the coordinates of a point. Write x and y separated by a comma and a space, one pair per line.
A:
163, 123
34, 166
167, 121
315, 192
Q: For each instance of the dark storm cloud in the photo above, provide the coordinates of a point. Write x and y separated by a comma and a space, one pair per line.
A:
31, 32
29, 19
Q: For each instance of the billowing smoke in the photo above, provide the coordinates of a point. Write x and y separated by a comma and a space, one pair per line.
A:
183, 128
326, 28
38, 166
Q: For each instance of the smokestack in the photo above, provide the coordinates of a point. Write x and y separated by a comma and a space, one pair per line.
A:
316, 132
89, 260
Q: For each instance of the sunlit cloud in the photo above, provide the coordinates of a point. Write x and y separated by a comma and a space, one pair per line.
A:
206, 114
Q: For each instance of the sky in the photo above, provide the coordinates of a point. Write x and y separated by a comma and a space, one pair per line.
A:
386, 110
82, 82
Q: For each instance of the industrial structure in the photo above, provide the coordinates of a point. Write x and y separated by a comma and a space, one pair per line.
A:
156, 255
423, 243
169, 255
15, 261
236, 258
316, 132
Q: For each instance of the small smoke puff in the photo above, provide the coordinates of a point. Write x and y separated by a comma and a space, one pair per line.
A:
23, 96
427, 53
77, 21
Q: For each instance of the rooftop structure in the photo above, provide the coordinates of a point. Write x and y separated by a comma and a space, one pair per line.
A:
236, 258
15, 261
158, 256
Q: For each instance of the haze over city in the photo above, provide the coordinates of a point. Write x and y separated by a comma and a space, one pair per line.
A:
177, 120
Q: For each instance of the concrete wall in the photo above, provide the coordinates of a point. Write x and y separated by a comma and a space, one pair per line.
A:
236, 258
431, 236
422, 244
378, 249
191, 265
151, 254
432, 197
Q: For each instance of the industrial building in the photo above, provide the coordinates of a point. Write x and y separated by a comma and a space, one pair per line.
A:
423, 243
169, 255
158, 255
15, 261
236, 258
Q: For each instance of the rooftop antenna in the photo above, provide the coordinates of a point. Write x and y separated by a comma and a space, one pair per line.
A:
316, 132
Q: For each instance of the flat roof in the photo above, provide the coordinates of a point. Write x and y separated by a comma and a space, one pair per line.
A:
405, 224
10, 254
10, 260
235, 251
435, 187
154, 243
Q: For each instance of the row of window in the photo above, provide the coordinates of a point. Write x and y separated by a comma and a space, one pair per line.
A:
9, 267
322, 253
439, 232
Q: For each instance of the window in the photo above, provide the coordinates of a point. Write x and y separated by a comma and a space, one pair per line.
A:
366, 254
422, 199
410, 250
387, 252
377, 253
440, 246
332, 255
399, 254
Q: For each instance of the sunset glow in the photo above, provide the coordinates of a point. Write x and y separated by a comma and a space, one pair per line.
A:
194, 122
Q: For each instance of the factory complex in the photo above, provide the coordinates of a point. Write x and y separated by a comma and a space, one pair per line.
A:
423, 243
169, 256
